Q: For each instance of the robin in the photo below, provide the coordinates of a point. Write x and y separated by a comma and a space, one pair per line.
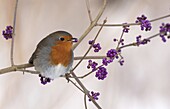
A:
53, 56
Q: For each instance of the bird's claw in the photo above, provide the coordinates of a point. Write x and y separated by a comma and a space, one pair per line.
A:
67, 76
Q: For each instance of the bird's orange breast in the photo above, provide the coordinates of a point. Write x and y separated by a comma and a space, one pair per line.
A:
61, 53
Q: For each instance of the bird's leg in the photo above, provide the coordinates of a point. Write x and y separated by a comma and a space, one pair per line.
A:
67, 76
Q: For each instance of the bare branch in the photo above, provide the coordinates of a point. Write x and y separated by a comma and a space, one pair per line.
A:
159, 18
88, 10
15, 68
76, 85
85, 103
13, 35
119, 40
90, 72
116, 25
132, 24
89, 57
29, 71
135, 43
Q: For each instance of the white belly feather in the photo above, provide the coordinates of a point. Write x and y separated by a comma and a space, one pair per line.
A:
52, 72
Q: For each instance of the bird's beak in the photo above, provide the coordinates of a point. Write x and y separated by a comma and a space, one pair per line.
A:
73, 40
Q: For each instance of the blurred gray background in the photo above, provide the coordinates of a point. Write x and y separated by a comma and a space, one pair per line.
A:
142, 83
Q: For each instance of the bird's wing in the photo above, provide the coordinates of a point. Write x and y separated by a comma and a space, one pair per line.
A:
32, 58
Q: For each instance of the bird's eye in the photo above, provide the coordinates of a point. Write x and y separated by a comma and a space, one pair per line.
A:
61, 38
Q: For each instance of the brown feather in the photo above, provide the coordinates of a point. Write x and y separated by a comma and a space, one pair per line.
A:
61, 53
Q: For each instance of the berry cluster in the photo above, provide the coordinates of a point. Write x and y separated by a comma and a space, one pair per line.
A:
140, 41
164, 31
44, 80
101, 73
126, 28
96, 46
121, 41
94, 95
7, 33
92, 64
144, 23
111, 55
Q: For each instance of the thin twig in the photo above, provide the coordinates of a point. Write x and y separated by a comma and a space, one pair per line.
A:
116, 25
76, 85
15, 68
89, 57
90, 46
120, 40
13, 35
85, 90
85, 103
135, 43
159, 18
92, 25
132, 24
29, 71
90, 72
88, 10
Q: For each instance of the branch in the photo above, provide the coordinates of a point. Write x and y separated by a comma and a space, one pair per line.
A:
92, 25
76, 85
85, 90
135, 43
159, 18
89, 57
133, 24
116, 25
15, 68
88, 9
13, 35
120, 40
85, 103
28, 71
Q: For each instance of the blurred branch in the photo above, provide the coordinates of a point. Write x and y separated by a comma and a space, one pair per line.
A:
89, 11
13, 35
